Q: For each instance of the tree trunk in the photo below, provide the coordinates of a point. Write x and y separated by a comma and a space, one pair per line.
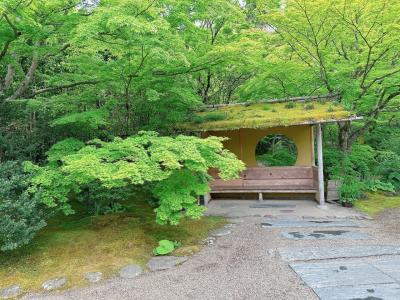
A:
27, 80
8, 80
344, 136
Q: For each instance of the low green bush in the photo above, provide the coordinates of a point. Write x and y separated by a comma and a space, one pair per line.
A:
165, 247
22, 215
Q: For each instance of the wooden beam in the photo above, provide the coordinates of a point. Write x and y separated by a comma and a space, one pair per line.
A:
321, 188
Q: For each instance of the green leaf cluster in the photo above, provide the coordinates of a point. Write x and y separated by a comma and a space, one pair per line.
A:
177, 166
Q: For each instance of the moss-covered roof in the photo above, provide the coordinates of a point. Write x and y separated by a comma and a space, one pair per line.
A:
265, 115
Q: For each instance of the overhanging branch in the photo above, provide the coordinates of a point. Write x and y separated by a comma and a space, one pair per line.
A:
65, 86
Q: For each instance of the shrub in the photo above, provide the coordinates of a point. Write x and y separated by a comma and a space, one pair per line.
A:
165, 247
290, 105
176, 167
351, 190
388, 167
309, 106
21, 214
209, 117
377, 185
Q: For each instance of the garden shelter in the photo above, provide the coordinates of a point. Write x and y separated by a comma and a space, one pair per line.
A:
245, 124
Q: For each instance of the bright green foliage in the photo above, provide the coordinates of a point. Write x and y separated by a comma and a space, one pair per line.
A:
22, 215
63, 148
276, 150
349, 48
165, 247
351, 189
178, 167
92, 119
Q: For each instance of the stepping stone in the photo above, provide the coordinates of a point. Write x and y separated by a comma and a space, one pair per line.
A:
329, 252
55, 283
11, 291
387, 291
228, 205
270, 205
93, 277
130, 271
281, 223
326, 235
339, 273
165, 262
222, 232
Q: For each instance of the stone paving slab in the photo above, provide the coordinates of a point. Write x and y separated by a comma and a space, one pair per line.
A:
339, 273
271, 205
326, 235
329, 252
388, 291
306, 223
389, 266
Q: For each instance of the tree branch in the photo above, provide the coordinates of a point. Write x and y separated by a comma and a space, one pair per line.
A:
65, 86
27, 80
8, 43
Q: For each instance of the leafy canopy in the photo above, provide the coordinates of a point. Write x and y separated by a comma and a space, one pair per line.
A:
177, 166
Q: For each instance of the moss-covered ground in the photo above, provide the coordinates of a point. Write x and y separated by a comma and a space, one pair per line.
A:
71, 246
376, 203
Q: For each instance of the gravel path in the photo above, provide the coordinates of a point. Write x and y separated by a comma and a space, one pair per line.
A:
241, 265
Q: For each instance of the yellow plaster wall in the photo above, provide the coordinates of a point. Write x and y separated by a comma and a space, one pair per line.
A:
243, 142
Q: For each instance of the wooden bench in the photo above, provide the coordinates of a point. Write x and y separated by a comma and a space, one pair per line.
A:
303, 180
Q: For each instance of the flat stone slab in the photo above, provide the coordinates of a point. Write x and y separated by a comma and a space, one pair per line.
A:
329, 252
306, 223
130, 271
93, 277
326, 235
271, 205
388, 265
165, 262
55, 283
386, 291
11, 291
354, 279
339, 273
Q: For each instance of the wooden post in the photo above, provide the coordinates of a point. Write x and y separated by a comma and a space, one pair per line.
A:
321, 189
207, 198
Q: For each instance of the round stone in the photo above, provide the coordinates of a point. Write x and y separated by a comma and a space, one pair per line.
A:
93, 277
11, 291
130, 271
55, 283
222, 232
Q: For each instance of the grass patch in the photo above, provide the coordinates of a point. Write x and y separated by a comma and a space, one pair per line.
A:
210, 117
290, 105
376, 203
71, 246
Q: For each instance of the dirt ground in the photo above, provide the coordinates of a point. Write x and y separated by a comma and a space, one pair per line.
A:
241, 265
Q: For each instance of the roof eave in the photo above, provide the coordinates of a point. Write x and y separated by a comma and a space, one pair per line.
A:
311, 122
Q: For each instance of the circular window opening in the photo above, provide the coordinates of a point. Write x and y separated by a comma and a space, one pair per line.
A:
276, 150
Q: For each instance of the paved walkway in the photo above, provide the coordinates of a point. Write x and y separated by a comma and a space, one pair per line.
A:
248, 260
